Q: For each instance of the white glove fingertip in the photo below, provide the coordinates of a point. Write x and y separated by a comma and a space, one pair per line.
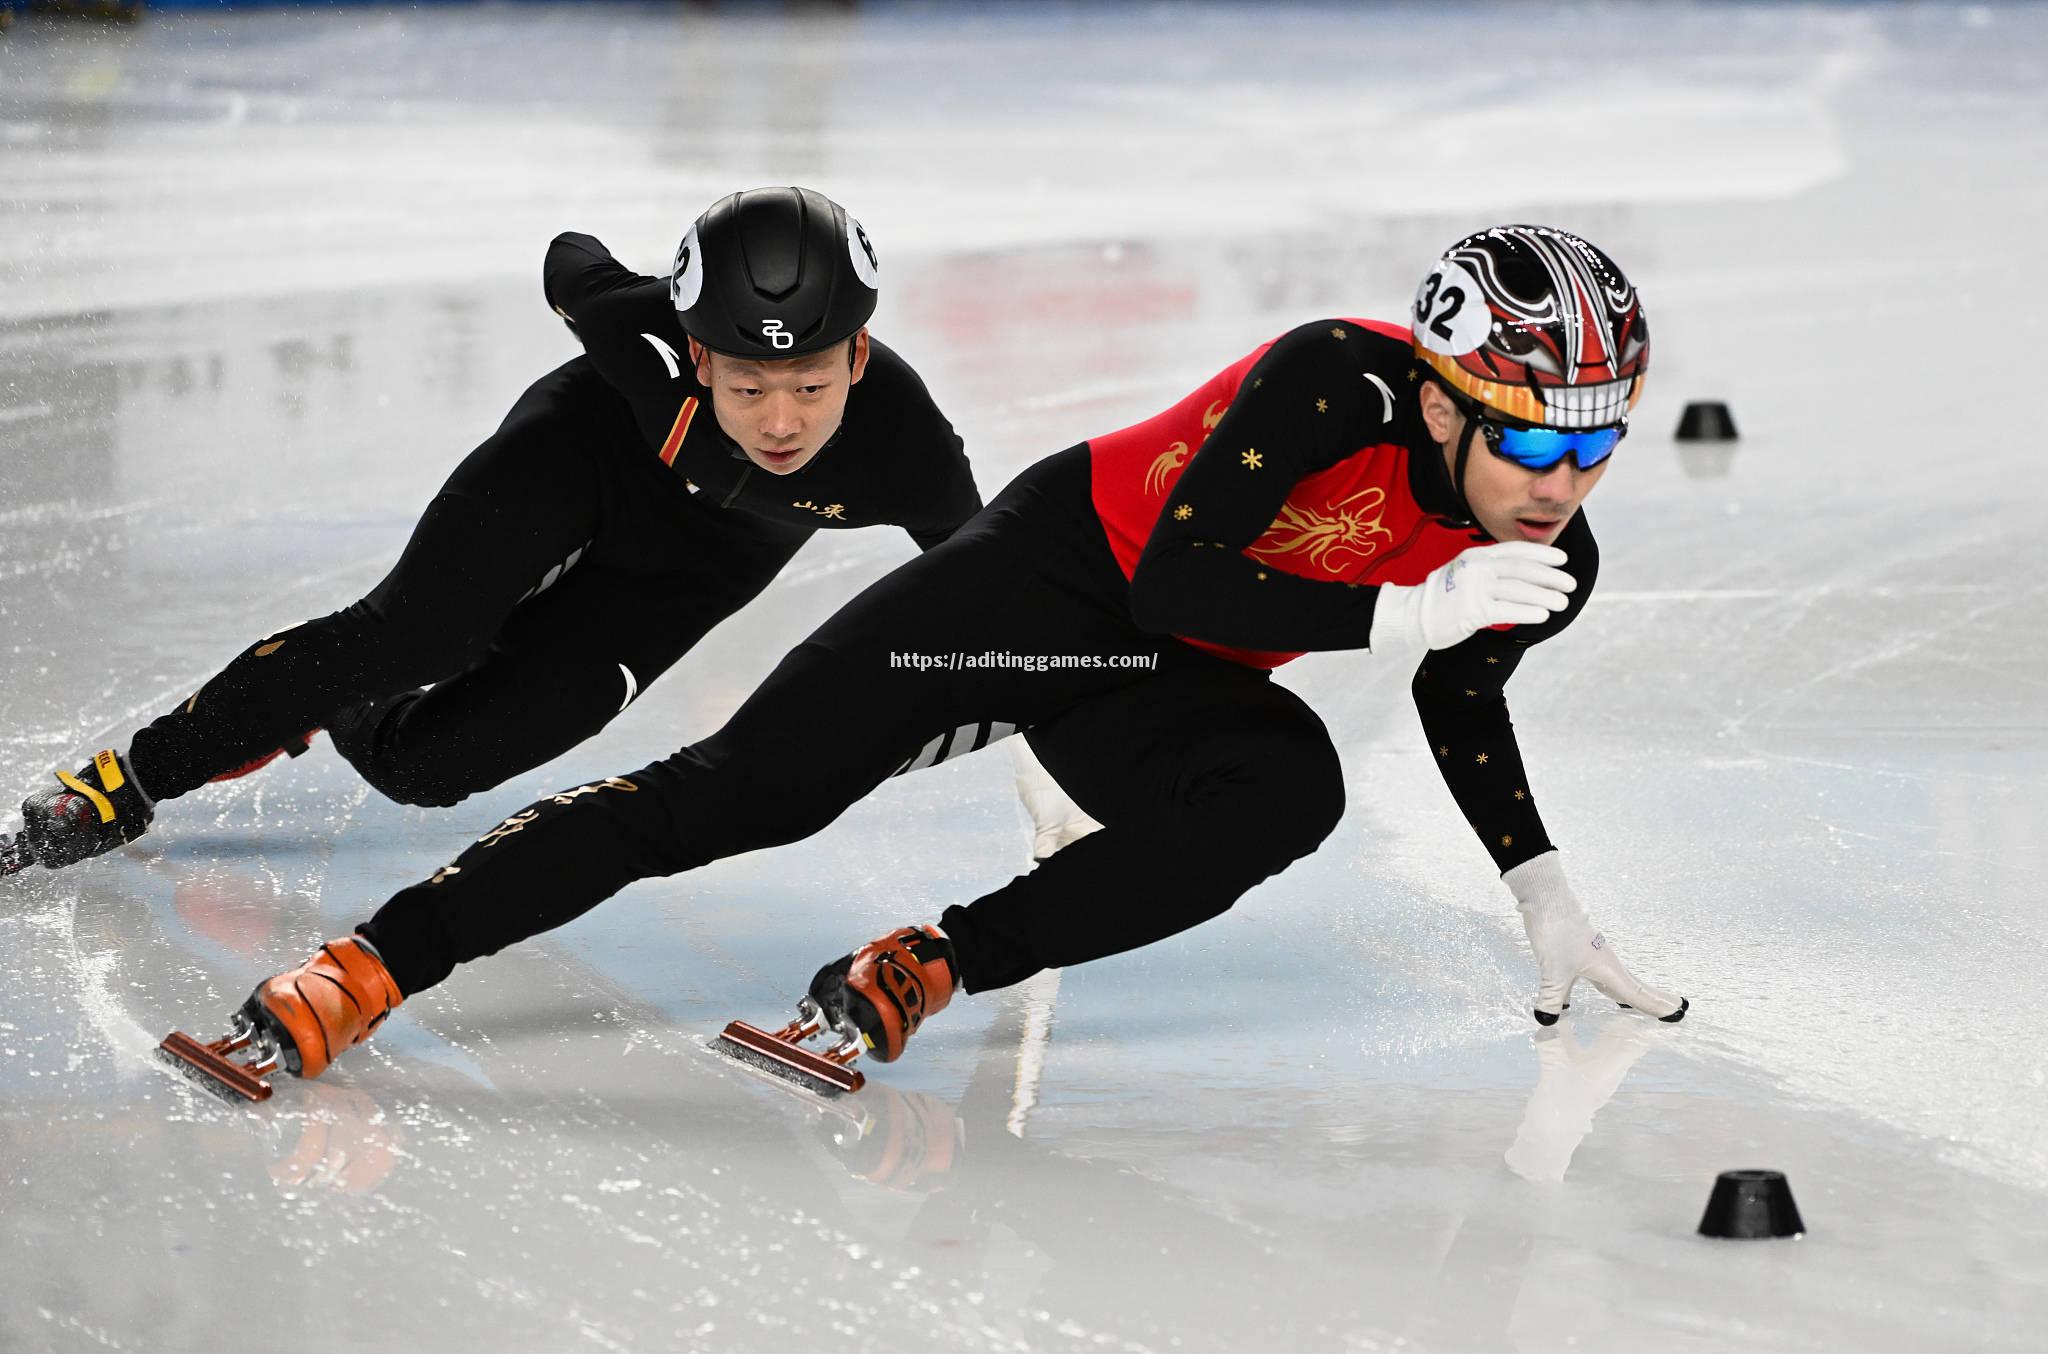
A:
1613, 979
1557, 580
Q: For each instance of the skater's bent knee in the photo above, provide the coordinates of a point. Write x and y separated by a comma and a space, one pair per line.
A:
1322, 799
423, 782
1283, 789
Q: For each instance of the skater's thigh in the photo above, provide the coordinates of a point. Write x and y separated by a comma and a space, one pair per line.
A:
874, 684
568, 663
973, 590
574, 657
644, 622
1202, 742
555, 448
516, 516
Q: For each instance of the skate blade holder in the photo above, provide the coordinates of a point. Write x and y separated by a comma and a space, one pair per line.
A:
209, 1066
782, 1054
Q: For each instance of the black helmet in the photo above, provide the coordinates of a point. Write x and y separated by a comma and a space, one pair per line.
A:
773, 273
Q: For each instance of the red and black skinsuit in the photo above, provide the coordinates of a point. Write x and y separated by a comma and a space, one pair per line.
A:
1178, 560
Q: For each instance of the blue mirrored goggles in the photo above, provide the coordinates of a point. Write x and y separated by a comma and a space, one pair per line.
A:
1542, 448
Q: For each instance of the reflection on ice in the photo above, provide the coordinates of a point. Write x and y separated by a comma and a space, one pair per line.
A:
1577, 1077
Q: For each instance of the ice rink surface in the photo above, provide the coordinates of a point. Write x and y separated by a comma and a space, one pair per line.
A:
265, 278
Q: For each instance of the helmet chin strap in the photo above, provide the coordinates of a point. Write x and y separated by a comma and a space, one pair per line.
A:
1458, 463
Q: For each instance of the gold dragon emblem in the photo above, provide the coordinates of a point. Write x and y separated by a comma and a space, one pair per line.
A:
1175, 456
1333, 541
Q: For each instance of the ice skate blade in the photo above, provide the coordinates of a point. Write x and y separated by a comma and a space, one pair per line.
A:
15, 855
212, 1072
791, 1062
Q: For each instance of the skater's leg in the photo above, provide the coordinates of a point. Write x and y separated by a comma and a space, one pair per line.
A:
782, 769
1208, 780
523, 504
567, 663
840, 714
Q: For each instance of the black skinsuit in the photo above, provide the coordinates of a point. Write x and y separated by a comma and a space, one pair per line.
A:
587, 545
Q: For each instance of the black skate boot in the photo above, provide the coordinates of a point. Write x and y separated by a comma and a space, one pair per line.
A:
94, 811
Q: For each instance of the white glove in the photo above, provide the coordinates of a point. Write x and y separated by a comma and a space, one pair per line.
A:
1056, 820
1511, 583
1568, 948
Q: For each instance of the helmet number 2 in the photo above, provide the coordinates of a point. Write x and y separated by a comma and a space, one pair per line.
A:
776, 335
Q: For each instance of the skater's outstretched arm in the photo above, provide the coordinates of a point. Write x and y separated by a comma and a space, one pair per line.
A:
1461, 698
580, 271
611, 309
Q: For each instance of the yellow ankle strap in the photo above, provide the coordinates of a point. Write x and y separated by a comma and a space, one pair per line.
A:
99, 801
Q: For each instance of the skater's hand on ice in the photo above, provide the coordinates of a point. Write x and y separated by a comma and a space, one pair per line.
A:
1510, 583
1568, 948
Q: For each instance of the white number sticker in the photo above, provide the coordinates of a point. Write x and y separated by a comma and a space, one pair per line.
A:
686, 279
866, 266
1450, 312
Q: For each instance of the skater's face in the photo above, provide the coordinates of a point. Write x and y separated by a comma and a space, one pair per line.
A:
1512, 502
781, 413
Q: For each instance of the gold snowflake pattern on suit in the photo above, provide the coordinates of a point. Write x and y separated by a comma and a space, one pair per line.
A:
1175, 456
1349, 532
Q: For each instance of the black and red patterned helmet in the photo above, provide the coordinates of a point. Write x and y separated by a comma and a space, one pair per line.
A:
1536, 324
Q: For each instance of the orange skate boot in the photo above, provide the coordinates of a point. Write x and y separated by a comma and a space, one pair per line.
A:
300, 1021
883, 991
874, 998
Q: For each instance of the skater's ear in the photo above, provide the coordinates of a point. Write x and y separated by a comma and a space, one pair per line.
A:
1439, 414
857, 356
700, 358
